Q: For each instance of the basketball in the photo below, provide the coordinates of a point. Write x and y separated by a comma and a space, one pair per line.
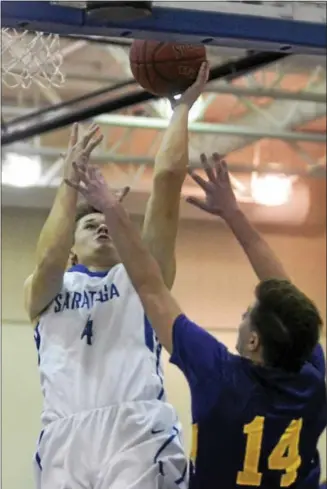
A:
163, 68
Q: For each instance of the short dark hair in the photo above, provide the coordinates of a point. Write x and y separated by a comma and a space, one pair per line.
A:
84, 209
288, 324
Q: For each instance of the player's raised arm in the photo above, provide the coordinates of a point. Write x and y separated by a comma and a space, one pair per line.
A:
220, 201
56, 238
162, 212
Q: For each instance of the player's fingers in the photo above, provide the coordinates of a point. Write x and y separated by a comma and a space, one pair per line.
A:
81, 173
199, 180
94, 128
202, 71
216, 157
222, 171
203, 74
224, 166
123, 193
207, 72
74, 185
92, 132
81, 159
94, 173
73, 135
207, 167
200, 204
81, 162
173, 102
93, 143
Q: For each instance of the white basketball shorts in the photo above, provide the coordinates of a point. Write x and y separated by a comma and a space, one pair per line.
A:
136, 445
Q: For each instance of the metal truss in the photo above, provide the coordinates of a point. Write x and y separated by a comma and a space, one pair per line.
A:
281, 116
123, 163
276, 120
56, 117
247, 131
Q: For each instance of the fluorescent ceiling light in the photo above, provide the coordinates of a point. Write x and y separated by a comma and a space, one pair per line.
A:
20, 171
271, 189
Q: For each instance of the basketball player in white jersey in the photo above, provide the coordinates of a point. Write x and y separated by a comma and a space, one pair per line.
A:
106, 422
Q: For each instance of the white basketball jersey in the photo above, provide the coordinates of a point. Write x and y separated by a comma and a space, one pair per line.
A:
96, 348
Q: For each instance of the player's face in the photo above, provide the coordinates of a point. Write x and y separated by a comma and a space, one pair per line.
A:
92, 241
247, 342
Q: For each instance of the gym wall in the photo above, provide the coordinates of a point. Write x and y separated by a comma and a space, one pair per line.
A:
214, 285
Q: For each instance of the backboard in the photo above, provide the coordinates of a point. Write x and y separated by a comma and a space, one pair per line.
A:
297, 27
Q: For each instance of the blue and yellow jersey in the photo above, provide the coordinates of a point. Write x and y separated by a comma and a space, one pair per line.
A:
254, 427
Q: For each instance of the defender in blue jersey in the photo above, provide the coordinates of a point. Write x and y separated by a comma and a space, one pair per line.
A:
257, 415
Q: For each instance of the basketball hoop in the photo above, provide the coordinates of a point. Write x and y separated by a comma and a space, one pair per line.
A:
30, 57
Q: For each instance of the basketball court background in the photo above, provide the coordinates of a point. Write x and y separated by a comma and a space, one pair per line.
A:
270, 120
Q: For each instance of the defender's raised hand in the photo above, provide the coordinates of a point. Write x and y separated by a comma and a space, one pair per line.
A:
92, 185
219, 196
80, 147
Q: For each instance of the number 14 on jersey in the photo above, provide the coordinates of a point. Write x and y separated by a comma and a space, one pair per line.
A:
284, 457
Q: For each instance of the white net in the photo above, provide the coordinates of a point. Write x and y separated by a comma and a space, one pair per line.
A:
30, 57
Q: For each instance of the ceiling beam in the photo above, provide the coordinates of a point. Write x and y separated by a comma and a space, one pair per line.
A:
39, 123
259, 92
136, 122
102, 157
246, 131
281, 115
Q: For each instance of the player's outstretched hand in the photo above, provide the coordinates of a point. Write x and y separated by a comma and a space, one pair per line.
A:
80, 147
190, 95
219, 196
92, 185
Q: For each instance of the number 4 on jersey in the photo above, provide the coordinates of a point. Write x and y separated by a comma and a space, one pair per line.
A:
285, 456
88, 332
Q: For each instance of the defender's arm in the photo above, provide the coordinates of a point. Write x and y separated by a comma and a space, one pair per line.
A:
193, 350
56, 238
220, 200
160, 307
264, 261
